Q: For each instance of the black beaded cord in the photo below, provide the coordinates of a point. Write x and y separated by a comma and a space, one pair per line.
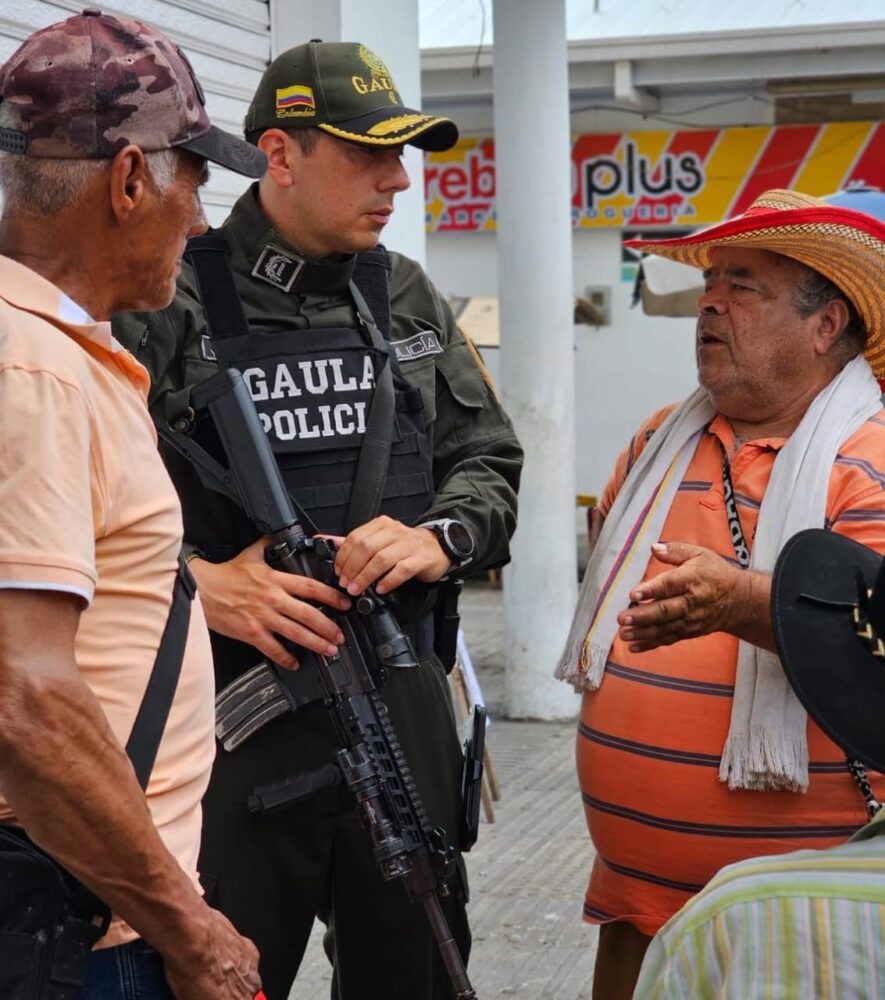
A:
741, 549
859, 773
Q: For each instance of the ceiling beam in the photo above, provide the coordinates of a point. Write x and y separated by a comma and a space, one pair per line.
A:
626, 93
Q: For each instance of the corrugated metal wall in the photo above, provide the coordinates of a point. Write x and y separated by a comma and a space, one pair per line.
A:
227, 41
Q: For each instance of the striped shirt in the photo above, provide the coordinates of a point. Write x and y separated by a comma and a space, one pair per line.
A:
806, 924
650, 738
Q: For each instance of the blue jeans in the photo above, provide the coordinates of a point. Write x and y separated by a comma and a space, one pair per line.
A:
131, 971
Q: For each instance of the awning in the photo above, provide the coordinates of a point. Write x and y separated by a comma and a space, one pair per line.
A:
667, 288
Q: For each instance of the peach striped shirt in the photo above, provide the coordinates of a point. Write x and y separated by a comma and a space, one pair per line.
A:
650, 738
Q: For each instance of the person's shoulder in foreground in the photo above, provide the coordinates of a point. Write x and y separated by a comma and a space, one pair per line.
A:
779, 926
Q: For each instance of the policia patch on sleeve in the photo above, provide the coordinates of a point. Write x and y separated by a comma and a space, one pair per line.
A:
420, 345
277, 267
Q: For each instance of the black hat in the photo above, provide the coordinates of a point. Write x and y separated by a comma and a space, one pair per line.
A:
828, 614
345, 90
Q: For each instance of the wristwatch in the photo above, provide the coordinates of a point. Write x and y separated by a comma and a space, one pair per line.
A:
454, 539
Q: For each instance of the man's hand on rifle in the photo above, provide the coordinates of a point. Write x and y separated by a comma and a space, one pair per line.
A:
247, 600
388, 553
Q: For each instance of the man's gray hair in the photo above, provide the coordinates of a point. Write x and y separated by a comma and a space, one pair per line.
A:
48, 186
813, 292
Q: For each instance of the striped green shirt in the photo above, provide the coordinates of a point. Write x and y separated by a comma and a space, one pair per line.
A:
801, 925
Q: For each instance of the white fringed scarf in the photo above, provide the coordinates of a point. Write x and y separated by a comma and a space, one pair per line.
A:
767, 746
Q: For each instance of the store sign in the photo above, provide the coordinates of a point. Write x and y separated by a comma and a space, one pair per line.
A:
683, 178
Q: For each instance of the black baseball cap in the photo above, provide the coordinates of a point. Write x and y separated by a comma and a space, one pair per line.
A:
345, 90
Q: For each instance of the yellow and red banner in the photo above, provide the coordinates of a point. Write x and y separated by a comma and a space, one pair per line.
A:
688, 177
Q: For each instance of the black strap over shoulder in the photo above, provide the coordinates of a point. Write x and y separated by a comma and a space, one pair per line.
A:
371, 469
224, 310
370, 288
372, 277
208, 255
147, 731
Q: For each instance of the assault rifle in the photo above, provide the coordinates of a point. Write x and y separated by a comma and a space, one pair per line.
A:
370, 760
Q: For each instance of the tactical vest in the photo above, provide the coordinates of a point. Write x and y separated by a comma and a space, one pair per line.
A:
314, 389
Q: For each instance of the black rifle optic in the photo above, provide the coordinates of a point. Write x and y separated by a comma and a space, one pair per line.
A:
370, 760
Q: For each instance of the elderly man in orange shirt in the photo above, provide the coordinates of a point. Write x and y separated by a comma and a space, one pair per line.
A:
693, 752
105, 141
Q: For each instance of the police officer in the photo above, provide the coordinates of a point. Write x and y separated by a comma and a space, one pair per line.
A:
317, 289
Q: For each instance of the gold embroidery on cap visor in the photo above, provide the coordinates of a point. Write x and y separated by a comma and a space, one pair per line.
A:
372, 136
854, 260
397, 123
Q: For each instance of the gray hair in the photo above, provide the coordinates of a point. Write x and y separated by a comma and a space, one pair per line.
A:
48, 186
812, 293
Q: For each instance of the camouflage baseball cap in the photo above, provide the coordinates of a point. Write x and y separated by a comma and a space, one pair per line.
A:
345, 90
88, 86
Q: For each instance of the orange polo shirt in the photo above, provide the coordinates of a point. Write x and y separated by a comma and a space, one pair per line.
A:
650, 739
86, 507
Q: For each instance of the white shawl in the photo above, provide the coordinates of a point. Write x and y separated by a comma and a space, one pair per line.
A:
767, 745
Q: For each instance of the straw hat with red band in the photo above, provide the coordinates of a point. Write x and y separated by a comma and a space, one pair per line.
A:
845, 246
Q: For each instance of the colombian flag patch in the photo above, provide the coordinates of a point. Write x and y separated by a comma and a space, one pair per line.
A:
295, 100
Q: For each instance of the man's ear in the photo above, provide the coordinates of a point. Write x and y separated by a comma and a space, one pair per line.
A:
129, 180
831, 322
282, 156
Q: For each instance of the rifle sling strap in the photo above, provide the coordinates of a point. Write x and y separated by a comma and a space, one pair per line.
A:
222, 308
371, 470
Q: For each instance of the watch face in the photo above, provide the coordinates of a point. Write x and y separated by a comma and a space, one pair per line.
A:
459, 538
